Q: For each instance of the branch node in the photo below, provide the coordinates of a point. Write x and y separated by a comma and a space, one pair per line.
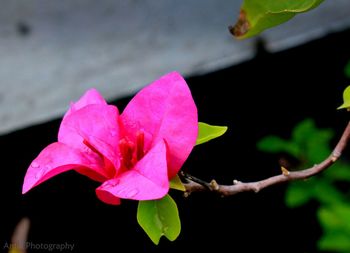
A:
236, 181
285, 172
335, 155
256, 189
186, 194
214, 185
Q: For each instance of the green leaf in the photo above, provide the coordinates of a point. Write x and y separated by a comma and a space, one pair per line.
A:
346, 99
298, 194
320, 189
258, 15
335, 217
347, 70
340, 171
159, 217
303, 131
317, 147
312, 142
334, 242
335, 221
275, 144
208, 132
175, 183
326, 193
272, 144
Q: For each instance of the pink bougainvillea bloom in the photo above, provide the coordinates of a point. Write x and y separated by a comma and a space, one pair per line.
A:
133, 155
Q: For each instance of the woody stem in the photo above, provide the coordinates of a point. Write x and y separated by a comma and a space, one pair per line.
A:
194, 184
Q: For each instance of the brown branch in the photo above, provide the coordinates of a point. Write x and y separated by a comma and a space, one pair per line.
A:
20, 236
196, 185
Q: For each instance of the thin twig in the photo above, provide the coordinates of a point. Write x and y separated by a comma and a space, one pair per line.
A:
237, 186
20, 236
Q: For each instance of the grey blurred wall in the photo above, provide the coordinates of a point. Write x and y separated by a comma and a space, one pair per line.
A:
52, 51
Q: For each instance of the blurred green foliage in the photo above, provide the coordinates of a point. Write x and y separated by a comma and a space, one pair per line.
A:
347, 70
310, 145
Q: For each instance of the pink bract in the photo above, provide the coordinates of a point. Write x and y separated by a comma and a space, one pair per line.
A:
133, 155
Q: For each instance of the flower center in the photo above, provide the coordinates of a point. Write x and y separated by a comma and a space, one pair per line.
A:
131, 152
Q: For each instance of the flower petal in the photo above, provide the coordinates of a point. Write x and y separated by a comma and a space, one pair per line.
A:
93, 126
147, 180
57, 158
164, 110
91, 96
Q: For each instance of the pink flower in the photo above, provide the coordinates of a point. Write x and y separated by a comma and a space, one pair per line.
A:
134, 154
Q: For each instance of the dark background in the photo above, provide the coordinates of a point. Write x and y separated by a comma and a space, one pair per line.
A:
267, 95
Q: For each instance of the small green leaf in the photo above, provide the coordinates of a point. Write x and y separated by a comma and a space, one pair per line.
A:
347, 70
340, 172
303, 130
159, 217
326, 193
346, 99
208, 132
335, 221
275, 144
272, 144
317, 145
258, 15
335, 217
175, 183
334, 241
313, 142
298, 194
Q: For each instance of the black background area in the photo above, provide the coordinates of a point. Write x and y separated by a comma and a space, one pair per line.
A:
267, 95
